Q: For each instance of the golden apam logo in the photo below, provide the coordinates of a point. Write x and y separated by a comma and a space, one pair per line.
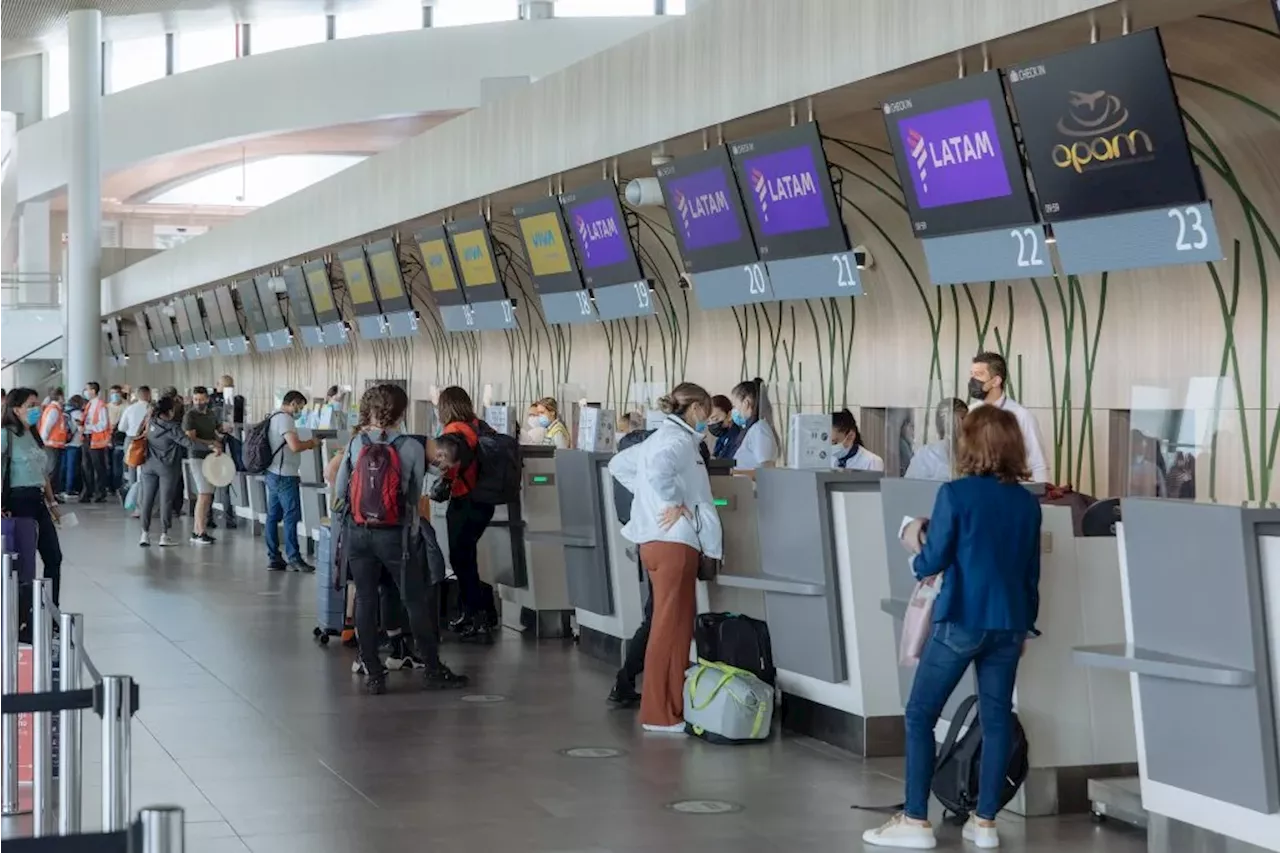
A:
1097, 121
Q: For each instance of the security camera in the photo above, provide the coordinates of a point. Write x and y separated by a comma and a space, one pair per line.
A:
862, 258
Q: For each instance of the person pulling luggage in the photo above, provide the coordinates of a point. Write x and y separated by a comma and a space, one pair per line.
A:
380, 477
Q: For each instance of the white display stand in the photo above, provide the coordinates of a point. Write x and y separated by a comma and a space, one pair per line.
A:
809, 444
596, 429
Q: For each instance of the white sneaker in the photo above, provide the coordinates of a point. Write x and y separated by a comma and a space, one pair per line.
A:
677, 729
145, 541
981, 836
901, 831
165, 541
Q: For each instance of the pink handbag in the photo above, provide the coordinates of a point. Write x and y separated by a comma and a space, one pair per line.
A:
918, 622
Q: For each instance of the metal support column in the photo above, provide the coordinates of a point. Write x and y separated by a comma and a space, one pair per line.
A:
9, 630
70, 773
117, 720
83, 340
42, 724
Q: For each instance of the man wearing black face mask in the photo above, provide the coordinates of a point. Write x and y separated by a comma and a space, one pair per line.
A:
987, 377
722, 427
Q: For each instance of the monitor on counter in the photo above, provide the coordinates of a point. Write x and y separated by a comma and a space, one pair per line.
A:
227, 308
437, 260
252, 305
321, 290
1102, 130
295, 284
473, 249
384, 263
957, 157
546, 246
600, 235
706, 210
791, 202
359, 282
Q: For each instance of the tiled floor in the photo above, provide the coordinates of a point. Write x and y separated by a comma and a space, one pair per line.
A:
267, 741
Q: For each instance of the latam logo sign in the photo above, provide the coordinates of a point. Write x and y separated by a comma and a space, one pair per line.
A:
704, 208
786, 189
955, 154
601, 239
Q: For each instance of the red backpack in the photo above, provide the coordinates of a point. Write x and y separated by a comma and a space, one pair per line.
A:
375, 484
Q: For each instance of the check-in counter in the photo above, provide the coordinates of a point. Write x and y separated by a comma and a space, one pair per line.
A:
536, 600
1074, 717
735, 500
821, 558
1200, 648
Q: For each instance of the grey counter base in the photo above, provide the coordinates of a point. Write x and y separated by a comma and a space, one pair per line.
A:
1167, 835
599, 645
866, 737
541, 624
1062, 790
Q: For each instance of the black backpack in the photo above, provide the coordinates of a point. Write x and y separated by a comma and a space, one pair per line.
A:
256, 453
955, 775
497, 468
738, 641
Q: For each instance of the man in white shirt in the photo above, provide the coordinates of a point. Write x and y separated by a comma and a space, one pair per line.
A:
131, 421
987, 377
933, 462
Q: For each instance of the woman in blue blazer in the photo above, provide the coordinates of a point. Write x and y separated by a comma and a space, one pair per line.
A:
984, 538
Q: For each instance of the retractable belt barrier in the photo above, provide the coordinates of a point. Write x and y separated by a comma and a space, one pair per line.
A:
113, 698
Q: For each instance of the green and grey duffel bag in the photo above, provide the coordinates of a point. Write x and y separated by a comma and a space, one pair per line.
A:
724, 704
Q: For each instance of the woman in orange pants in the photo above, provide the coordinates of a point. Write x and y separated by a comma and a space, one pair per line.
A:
673, 520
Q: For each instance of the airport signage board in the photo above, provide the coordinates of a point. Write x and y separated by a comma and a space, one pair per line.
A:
600, 237
707, 214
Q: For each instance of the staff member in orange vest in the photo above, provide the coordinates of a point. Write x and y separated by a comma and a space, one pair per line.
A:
54, 431
97, 429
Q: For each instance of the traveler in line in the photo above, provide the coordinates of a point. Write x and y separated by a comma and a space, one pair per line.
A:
848, 452
115, 408
179, 495
97, 433
132, 421
334, 415
199, 425
722, 428
534, 432
284, 493
55, 433
466, 519
984, 539
988, 376
624, 694
547, 411
673, 520
757, 446
161, 474
228, 410
27, 493
74, 458
380, 549
933, 462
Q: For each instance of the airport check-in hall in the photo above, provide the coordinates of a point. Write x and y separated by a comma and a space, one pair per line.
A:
642, 425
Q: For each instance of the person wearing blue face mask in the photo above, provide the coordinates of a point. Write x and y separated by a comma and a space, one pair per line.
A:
757, 445
555, 434
26, 492
673, 520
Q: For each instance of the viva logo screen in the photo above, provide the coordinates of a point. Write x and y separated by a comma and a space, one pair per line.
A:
786, 190
955, 155
703, 204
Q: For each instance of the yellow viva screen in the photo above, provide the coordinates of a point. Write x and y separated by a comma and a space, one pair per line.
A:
439, 273
386, 271
473, 258
547, 254
358, 282
319, 286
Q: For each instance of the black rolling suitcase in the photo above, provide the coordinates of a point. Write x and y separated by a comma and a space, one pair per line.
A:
738, 641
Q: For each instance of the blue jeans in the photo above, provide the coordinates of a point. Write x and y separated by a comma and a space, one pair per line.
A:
117, 469
70, 469
943, 662
284, 501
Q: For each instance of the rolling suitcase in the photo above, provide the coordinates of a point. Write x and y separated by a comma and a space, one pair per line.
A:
736, 640
331, 591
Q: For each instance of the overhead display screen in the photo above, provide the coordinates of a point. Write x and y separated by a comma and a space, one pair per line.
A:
194, 317
958, 158
183, 322
599, 233
359, 284
270, 303
790, 201
317, 275
706, 211
161, 328
384, 263
140, 323
295, 284
546, 245
227, 308
213, 316
1102, 130
436, 258
252, 306
473, 250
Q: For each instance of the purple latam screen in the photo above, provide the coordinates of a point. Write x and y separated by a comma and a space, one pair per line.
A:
955, 155
704, 208
602, 236
786, 190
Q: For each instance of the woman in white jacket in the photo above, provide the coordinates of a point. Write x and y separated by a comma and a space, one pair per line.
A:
673, 520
